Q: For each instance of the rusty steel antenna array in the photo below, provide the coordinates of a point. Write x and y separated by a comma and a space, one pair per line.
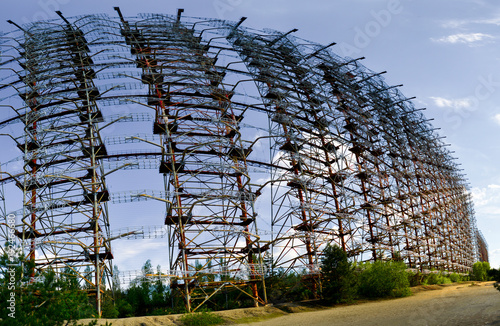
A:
246, 127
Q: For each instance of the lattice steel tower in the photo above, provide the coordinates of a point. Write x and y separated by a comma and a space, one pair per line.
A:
246, 127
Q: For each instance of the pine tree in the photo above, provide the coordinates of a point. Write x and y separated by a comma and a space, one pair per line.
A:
338, 278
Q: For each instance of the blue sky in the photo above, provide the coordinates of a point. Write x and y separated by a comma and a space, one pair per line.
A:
444, 52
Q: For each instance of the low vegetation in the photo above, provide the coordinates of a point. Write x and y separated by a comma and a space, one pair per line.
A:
45, 300
383, 279
343, 281
58, 300
203, 318
480, 271
494, 275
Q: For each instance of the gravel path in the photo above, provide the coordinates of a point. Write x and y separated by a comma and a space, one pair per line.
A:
455, 305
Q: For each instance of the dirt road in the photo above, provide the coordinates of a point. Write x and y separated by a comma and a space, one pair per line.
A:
452, 305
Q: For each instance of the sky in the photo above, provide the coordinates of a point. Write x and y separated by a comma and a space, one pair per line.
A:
443, 52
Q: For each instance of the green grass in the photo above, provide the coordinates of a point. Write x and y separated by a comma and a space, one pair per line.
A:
254, 319
201, 319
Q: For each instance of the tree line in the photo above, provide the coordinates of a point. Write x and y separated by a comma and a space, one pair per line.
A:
61, 299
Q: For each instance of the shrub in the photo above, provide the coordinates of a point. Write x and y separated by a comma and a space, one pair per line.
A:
124, 308
494, 275
338, 277
286, 287
109, 310
204, 318
455, 277
480, 271
383, 279
437, 278
50, 299
415, 278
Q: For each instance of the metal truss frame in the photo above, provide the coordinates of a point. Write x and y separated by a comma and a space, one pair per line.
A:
348, 159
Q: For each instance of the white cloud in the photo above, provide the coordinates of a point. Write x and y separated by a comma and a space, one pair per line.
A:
455, 23
487, 200
496, 118
463, 38
490, 21
131, 254
460, 103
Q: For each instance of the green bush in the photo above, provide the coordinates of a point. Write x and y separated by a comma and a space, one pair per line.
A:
415, 278
50, 299
204, 318
480, 271
494, 275
109, 310
338, 276
437, 278
434, 278
455, 277
384, 278
286, 287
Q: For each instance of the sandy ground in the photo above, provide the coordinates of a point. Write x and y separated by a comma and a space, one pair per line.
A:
457, 305
452, 305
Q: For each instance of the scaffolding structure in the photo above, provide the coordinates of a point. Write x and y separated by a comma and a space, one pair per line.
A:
346, 159
482, 247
